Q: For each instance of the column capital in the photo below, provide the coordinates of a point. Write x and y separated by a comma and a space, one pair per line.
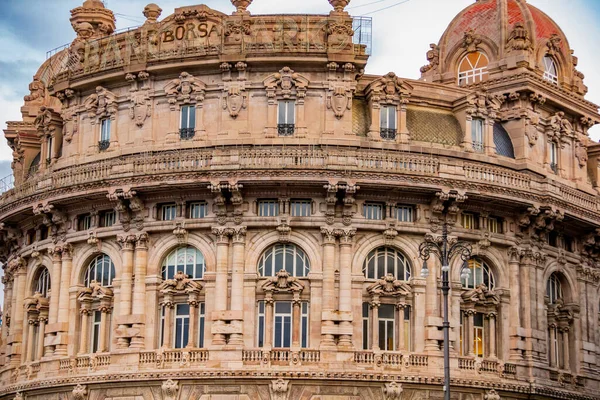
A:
374, 304
346, 235
239, 234
127, 242
514, 254
56, 253
67, 251
401, 306
469, 312
491, 315
328, 235
105, 309
222, 234
142, 241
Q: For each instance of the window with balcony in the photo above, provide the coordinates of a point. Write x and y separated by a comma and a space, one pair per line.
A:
473, 342
187, 122
84, 222
550, 70
301, 208
403, 213
188, 260
386, 260
286, 118
473, 68
554, 157
268, 208
393, 327
553, 289
107, 218
198, 209
494, 225
477, 125
104, 142
560, 322
374, 210
168, 212
96, 326
387, 125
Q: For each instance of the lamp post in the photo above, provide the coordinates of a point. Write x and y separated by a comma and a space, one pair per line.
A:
445, 251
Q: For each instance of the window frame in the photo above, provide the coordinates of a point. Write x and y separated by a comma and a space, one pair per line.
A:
168, 210
203, 209
478, 134
371, 271
288, 250
302, 205
286, 126
554, 152
92, 267
272, 208
370, 210
43, 283
473, 75
388, 121
554, 288
187, 128
108, 216
404, 210
480, 272
550, 69
183, 251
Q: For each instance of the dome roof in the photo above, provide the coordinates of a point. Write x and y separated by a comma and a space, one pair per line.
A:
511, 33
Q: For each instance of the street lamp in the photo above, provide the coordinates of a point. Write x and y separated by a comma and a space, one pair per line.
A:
445, 251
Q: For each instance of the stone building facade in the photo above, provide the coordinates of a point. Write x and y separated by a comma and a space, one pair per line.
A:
224, 207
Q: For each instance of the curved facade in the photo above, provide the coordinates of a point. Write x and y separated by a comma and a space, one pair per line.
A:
226, 207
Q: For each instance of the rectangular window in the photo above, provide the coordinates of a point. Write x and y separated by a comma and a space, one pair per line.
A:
49, 152
461, 346
468, 221
373, 210
386, 327
304, 325
198, 209
301, 208
85, 222
283, 324
494, 225
182, 325
478, 335
202, 309
387, 124
268, 208
286, 119
108, 218
168, 212
260, 331
477, 134
403, 213
105, 129
407, 335
187, 123
365, 325
96, 319
554, 157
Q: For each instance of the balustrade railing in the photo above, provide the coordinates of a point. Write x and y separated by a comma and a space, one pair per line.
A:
497, 176
252, 355
172, 358
466, 363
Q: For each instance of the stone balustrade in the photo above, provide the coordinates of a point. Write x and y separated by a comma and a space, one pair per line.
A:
306, 158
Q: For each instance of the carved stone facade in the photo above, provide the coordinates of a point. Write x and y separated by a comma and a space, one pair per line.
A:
225, 207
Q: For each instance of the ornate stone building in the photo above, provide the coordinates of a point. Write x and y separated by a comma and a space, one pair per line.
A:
222, 207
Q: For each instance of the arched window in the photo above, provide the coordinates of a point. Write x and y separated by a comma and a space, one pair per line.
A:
35, 164
504, 146
101, 270
188, 260
386, 260
43, 282
480, 273
284, 256
473, 68
553, 288
550, 70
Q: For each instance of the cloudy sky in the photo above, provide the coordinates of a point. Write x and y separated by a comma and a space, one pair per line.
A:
402, 32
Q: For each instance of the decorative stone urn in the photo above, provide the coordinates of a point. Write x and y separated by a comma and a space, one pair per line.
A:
241, 6
152, 12
339, 5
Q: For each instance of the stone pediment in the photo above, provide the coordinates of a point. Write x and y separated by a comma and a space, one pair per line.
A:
390, 286
180, 284
282, 282
480, 295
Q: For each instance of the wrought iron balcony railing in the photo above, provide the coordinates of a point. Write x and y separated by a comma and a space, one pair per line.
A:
103, 145
388, 133
554, 167
187, 133
286, 129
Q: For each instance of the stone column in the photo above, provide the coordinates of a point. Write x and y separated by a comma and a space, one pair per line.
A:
63, 300
127, 246
56, 281
7, 280
488, 138
492, 334
237, 278
193, 327
139, 288
526, 268
468, 333
432, 308
167, 340
104, 321
221, 289
30, 340
375, 324
328, 299
269, 304
85, 328
400, 345
17, 323
418, 313
40, 339
515, 307
552, 345
565, 343
345, 294
296, 321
